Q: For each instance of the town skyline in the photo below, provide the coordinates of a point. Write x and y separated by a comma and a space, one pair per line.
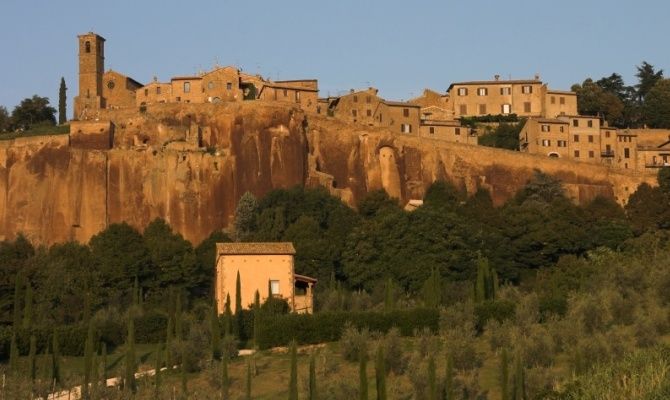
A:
340, 61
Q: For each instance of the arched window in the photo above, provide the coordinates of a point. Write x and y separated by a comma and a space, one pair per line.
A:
88, 46
554, 155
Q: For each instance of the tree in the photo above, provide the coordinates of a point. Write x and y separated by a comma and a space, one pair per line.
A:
88, 359
363, 375
239, 318
504, 375
486, 283
389, 295
432, 383
505, 136
293, 380
248, 386
215, 332
432, 289
245, 214
656, 107
541, 188
62, 102
380, 373
257, 317
375, 202
449, 392
157, 369
130, 358
32, 358
519, 386
205, 255
5, 120
55, 359
312, 378
178, 327
14, 355
33, 111
225, 379
593, 99
647, 77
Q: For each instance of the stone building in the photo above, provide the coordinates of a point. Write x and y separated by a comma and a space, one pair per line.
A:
264, 267
103, 90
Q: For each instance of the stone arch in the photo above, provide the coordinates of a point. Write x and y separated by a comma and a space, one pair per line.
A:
553, 154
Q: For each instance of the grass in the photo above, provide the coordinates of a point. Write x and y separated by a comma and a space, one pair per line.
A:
37, 130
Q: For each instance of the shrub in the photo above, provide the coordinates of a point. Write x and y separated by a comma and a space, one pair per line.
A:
354, 342
499, 310
394, 356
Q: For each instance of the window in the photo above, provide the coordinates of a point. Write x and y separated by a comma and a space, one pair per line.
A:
482, 91
187, 87
546, 142
354, 113
561, 100
560, 128
158, 90
297, 96
285, 93
553, 100
546, 128
274, 287
355, 99
562, 143
526, 89
590, 138
368, 113
462, 91
575, 122
506, 91
576, 139
178, 99
526, 107
146, 92
607, 134
576, 153
506, 108
406, 128
463, 109
210, 85
590, 123
482, 109
229, 86
626, 152
431, 130
88, 46
405, 112
591, 155
368, 99
457, 131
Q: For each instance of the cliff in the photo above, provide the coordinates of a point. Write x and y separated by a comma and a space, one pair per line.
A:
191, 163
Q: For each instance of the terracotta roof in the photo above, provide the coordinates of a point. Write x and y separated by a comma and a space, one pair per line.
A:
562, 92
296, 80
256, 248
304, 278
291, 87
400, 104
181, 78
500, 82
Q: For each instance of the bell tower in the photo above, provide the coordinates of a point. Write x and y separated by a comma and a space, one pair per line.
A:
91, 68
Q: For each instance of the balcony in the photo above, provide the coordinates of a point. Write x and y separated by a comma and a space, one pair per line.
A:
657, 164
607, 153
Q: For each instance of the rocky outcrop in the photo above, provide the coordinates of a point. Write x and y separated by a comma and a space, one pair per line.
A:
190, 164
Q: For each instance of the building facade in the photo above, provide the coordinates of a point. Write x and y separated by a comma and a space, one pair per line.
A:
264, 267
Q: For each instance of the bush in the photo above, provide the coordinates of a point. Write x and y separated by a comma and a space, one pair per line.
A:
328, 327
393, 352
354, 342
499, 310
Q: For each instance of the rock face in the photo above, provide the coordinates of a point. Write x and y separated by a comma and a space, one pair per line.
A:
189, 164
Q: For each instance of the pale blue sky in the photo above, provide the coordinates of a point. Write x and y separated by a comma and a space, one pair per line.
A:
399, 47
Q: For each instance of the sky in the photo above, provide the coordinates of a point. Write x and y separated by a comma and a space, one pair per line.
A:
399, 47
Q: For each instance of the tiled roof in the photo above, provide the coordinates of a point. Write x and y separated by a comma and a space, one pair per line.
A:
255, 248
400, 104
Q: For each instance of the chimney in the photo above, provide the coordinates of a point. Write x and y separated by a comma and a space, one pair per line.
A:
537, 77
496, 77
351, 90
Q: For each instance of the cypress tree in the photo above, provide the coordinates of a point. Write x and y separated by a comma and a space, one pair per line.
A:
389, 301
184, 381
136, 292
239, 319
519, 386
257, 317
130, 364
225, 379
32, 362
104, 365
215, 332
486, 284
293, 382
363, 375
312, 378
432, 384
449, 378
157, 368
16, 318
88, 360
14, 355
504, 375
95, 376
178, 329
168, 341
248, 386
62, 102
380, 374
28, 307
228, 317
55, 359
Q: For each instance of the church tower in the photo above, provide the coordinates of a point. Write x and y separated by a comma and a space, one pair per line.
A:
91, 68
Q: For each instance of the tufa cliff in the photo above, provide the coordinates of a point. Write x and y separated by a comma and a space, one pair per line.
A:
190, 163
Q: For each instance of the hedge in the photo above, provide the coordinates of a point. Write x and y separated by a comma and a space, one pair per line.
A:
328, 326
